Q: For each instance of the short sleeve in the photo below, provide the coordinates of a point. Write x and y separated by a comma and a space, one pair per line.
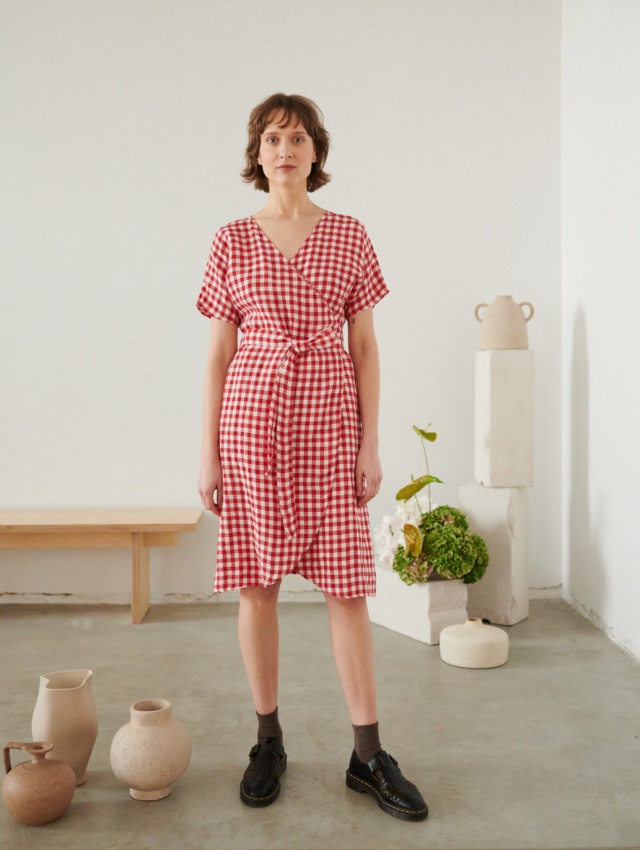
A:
370, 287
214, 300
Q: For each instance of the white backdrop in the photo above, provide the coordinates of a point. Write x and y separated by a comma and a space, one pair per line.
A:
601, 306
123, 131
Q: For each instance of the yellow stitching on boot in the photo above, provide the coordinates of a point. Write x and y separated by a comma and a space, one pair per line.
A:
250, 797
391, 806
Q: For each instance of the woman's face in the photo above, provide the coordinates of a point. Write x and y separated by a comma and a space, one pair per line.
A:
286, 152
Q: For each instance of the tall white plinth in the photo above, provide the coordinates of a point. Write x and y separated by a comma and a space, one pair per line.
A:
504, 392
419, 611
501, 517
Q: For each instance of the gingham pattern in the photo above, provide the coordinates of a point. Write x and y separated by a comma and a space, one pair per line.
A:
289, 425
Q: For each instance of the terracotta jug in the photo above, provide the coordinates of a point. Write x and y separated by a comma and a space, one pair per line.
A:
37, 791
65, 714
504, 323
474, 644
151, 751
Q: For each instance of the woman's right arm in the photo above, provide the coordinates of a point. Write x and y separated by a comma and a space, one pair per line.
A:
222, 350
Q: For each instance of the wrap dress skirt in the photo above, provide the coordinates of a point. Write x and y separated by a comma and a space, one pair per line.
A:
289, 424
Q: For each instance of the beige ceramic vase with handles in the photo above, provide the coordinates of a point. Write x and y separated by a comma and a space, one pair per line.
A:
37, 791
503, 323
151, 751
65, 714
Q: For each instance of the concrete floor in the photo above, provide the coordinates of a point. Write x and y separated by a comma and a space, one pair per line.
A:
541, 753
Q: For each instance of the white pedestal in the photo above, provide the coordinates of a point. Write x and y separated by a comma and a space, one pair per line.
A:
419, 611
501, 517
504, 391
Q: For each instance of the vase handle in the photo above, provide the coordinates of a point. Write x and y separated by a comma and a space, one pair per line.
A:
37, 748
528, 304
477, 312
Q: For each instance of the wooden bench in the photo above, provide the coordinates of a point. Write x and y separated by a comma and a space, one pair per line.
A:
136, 529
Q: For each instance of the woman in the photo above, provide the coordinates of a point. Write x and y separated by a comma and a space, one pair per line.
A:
290, 446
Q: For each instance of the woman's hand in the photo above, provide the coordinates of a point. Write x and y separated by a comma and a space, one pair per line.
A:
368, 474
210, 482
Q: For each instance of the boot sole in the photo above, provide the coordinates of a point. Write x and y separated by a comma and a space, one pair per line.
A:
364, 787
259, 802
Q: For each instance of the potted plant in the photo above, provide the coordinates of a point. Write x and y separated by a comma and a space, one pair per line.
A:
430, 548
440, 545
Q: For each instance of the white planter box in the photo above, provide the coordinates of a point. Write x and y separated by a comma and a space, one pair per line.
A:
419, 611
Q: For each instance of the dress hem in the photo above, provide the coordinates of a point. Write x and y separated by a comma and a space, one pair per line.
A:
365, 595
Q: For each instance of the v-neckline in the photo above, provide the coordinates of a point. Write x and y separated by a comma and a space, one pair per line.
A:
302, 245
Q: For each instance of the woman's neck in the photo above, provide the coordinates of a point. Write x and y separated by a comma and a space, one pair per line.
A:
288, 205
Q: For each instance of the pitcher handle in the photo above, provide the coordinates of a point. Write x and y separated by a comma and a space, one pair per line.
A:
37, 748
477, 312
528, 304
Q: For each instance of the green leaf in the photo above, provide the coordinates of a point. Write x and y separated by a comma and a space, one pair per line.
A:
415, 487
426, 435
413, 539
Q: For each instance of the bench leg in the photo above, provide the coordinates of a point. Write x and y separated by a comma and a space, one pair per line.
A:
141, 588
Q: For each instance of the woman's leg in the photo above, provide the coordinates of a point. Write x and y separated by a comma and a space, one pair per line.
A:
375, 773
352, 645
258, 634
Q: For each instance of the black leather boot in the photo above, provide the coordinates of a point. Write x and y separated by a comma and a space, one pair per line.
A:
260, 785
383, 780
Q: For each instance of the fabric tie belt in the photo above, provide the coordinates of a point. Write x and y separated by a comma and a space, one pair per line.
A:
280, 414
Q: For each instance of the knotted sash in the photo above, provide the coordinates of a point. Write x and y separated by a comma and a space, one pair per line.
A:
281, 409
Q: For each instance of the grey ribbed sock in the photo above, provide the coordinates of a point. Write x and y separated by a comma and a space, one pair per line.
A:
367, 742
269, 726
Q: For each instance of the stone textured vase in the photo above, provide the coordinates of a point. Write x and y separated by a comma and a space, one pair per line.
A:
65, 714
37, 791
474, 644
503, 323
151, 751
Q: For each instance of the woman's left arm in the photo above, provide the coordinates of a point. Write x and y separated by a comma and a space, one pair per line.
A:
363, 349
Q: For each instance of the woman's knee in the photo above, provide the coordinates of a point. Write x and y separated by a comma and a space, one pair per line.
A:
345, 603
261, 597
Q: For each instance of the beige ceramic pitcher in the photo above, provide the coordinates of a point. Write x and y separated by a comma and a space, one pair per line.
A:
503, 323
65, 714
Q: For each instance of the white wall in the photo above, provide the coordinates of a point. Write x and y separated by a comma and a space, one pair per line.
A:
601, 307
124, 125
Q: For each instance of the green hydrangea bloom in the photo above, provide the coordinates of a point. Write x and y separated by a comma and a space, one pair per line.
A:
444, 516
448, 550
410, 569
481, 563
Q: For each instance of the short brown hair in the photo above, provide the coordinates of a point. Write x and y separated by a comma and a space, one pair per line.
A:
293, 106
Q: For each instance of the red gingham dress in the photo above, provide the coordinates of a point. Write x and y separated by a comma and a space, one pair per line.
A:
289, 424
